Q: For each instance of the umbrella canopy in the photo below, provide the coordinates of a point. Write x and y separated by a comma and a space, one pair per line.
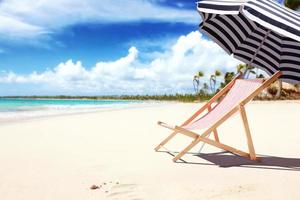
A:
261, 33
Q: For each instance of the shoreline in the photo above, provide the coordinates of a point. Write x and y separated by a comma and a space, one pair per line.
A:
79, 112
111, 109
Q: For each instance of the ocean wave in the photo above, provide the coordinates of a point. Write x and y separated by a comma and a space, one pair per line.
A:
15, 113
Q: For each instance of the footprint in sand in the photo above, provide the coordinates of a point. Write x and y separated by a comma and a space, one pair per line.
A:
124, 192
233, 191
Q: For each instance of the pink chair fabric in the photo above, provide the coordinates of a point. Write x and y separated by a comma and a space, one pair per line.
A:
239, 91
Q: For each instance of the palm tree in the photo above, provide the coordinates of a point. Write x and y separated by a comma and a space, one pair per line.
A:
240, 68
292, 4
205, 87
249, 70
246, 69
227, 78
213, 80
196, 81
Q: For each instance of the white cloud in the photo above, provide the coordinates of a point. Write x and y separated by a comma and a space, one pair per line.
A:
171, 72
37, 18
12, 27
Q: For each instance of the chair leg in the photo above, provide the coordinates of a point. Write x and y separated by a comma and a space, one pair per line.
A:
248, 134
166, 140
216, 135
208, 141
184, 151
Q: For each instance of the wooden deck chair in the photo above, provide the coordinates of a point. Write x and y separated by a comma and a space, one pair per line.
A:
237, 94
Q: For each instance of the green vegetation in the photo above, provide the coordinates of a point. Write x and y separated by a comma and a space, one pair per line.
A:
176, 97
274, 92
196, 81
227, 78
292, 4
213, 81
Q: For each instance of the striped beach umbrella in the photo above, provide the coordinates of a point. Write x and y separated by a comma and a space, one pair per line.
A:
261, 33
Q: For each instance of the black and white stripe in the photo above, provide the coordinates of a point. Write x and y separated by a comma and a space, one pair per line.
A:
261, 33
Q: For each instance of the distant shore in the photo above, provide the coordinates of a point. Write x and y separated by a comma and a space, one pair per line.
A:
188, 97
175, 97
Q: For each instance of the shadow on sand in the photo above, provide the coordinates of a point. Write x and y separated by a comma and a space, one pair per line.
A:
225, 159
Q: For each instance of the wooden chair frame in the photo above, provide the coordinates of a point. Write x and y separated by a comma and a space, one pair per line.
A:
203, 137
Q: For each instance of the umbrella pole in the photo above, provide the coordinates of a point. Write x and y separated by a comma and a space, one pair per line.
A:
256, 52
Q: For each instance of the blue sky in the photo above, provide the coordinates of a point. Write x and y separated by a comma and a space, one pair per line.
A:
91, 40
87, 47
90, 43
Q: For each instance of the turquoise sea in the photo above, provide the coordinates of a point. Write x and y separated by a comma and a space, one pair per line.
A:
19, 104
20, 108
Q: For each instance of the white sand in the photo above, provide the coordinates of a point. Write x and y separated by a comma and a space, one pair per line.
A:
61, 157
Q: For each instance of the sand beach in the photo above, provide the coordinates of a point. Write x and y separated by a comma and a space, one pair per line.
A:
62, 157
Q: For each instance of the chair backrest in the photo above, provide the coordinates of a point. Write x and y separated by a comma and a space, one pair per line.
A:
240, 90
